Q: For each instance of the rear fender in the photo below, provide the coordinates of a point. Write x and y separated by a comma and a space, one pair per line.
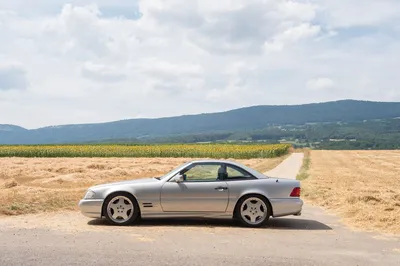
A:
255, 192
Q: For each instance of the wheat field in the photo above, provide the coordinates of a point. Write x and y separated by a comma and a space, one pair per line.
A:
362, 187
31, 185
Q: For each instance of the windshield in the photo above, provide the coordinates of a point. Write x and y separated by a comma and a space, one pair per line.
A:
174, 171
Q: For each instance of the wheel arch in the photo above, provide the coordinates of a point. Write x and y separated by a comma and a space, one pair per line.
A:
112, 193
265, 198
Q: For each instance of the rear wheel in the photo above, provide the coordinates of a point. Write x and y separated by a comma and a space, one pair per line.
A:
121, 209
253, 211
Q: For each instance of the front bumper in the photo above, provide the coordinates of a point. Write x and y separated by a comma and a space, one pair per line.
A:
91, 207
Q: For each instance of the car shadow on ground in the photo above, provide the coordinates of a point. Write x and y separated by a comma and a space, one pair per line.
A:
275, 223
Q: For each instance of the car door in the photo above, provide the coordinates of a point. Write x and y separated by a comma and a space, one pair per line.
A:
200, 191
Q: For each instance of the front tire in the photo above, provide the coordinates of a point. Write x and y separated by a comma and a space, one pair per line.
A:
253, 211
121, 208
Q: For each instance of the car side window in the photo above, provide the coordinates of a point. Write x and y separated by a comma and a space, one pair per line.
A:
202, 172
235, 173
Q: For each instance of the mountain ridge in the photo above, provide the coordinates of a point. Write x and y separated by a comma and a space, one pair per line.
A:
245, 118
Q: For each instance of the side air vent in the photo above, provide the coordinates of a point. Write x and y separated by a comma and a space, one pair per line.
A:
147, 204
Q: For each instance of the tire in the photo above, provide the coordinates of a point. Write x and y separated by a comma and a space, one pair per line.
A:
253, 211
121, 208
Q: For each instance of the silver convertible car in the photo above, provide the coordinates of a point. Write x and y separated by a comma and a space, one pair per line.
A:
209, 188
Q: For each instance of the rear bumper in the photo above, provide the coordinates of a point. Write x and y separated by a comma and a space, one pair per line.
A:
289, 206
91, 207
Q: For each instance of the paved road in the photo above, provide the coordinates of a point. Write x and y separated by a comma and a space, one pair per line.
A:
315, 238
289, 168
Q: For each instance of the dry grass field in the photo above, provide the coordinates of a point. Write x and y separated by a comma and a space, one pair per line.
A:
363, 187
31, 185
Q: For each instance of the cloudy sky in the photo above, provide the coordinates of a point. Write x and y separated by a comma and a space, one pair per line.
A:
93, 61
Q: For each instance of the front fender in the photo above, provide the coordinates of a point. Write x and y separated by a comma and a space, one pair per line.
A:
112, 190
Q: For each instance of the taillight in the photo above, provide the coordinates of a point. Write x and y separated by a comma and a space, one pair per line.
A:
295, 192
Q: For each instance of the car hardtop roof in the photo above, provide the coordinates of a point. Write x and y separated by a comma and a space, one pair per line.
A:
213, 161
245, 167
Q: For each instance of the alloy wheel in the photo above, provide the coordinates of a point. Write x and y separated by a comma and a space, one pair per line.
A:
254, 211
120, 209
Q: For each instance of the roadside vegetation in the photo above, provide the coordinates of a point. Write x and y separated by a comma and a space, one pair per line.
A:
303, 174
235, 151
362, 187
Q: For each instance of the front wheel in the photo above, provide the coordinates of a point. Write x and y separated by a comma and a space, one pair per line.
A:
121, 209
253, 211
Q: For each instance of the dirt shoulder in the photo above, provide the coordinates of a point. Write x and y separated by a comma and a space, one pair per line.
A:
362, 187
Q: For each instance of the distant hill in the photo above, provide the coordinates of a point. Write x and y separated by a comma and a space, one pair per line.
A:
11, 128
243, 119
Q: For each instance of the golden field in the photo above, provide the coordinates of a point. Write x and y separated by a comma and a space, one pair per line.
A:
362, 187
31, 185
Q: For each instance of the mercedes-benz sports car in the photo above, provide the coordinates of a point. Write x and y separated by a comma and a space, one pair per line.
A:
209, 188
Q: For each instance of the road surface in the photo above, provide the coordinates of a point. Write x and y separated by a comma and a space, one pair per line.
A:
289, 168
315, 238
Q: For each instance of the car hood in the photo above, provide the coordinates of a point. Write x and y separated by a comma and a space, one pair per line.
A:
129, 182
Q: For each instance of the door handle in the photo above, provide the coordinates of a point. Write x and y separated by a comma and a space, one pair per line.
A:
221, 188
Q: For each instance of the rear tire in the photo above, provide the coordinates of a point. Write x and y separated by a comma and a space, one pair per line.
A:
121, 208
253, 211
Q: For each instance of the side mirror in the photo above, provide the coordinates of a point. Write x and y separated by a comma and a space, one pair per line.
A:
178, 178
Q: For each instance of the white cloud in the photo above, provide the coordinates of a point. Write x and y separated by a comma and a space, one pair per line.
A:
233, 27
292, 35
157, 67
102, 73
12, 76
106, 62
318, 84
358, 12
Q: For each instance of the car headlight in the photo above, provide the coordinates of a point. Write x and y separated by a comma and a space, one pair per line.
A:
89, 194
